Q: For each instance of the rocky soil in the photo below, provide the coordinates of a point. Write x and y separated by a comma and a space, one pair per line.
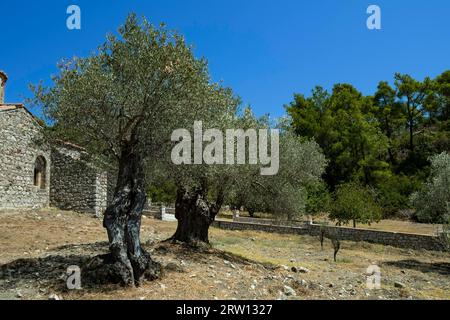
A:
37, 247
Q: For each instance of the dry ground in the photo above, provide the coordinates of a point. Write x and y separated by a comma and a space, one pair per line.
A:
36, 247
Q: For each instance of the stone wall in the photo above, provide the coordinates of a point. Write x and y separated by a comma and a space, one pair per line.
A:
160, 212
395, 239
268, 221
401, 240
20, 146
34, 175
76, 184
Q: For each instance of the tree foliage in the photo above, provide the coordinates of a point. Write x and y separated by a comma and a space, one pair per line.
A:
144, 81
346, 130
353, 202
382, 141
122, 103
302, 164
433, 200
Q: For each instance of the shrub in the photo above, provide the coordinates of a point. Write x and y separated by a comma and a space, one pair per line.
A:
394, 193
164, 192
318, 198
432, 202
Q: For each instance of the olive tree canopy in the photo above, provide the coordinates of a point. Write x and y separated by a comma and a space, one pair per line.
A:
123, 102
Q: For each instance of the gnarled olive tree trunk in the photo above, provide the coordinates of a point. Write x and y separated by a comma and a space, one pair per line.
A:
195, 214
127, 263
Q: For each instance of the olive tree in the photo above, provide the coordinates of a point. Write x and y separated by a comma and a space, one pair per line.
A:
432, 202
301, 163
356, 203
203, 184
122, 103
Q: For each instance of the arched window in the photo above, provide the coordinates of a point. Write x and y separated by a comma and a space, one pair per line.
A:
40, 166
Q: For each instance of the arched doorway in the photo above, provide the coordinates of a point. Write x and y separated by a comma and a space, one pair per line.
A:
40, 169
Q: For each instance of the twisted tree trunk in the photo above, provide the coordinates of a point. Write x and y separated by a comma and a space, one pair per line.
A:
127, 263
195, 215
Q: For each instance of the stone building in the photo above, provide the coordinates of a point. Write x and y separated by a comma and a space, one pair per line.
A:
34, 174
75, 183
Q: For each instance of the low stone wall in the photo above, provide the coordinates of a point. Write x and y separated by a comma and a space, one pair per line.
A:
401, 240
230, 225
269, 221
161, 213
395, 239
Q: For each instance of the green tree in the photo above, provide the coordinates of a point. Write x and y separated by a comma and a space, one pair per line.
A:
202, 188
122, 102
164, 191
389, 115
438, 110
353, 202
347, 131
284, 195
318, 198
412, 95
394, 193
432, 202
438, 101
383, 141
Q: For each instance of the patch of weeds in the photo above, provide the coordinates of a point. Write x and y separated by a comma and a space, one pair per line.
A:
227, 241
404, 293
253, 255
300, 289
344, 260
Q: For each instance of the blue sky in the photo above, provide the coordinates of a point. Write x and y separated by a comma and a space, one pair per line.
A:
265, 50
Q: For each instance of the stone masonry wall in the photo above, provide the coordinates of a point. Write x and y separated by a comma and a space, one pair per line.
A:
76, 184
269, 221
395, 239
401, 240
19, 148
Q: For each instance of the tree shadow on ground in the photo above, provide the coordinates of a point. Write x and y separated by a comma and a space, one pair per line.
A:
51, 271
202, 253
94, 246
425, 267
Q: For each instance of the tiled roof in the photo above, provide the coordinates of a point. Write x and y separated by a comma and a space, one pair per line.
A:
18, 106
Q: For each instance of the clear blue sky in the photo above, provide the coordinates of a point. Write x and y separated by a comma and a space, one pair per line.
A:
264, 50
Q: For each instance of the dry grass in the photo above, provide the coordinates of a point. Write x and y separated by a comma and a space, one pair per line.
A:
40, 234
390, 225
428, 277
403, 226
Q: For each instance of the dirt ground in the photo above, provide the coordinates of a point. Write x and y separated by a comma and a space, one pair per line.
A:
37, 247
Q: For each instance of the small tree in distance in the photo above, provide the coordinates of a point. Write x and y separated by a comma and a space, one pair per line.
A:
354, 203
